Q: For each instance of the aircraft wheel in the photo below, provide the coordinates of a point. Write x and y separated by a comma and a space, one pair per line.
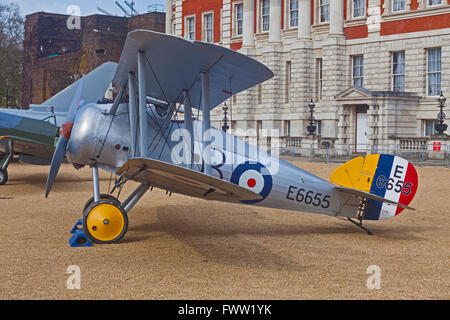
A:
102, 197
105, 222
3, 177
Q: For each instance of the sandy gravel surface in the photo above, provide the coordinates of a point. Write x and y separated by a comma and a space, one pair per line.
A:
185, 248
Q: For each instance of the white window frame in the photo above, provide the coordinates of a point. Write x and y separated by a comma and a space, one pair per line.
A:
434, 72
319, 11
394, 75
186, 26
236, 20
262, 15
361, 67
353, 9
434, 4
393, 4
205, 26
289, 14
433, 130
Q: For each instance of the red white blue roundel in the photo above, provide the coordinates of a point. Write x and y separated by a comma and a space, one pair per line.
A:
255, 177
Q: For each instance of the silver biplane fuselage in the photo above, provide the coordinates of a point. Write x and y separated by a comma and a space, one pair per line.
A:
103, 138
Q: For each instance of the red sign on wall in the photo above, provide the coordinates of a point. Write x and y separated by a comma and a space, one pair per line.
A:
436, 146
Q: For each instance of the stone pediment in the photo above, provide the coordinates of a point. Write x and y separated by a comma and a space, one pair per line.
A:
364, 95
354, 93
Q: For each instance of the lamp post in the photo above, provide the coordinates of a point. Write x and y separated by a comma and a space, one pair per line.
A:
225, 126
311, 128
441, 127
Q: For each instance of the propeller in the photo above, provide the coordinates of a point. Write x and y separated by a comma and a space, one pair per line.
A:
66, 130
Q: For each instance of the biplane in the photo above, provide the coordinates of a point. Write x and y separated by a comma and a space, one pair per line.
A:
33, 134
158, 132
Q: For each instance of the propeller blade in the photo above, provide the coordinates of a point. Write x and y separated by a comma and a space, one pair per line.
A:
61, 148
57, 159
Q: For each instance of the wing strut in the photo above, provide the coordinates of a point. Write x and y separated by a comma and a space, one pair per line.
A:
190, 128
143, 127
206, 134
133, 113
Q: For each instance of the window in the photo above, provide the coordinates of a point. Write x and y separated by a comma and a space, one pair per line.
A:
190, 30
320, 78
359, 8
429, 127
319, 127
398, 5
358, 71
288, 81
434, 71
434, 3
293, 13
265, 15
398, 71
239, 9
324, 10
259, 93
208, 27
287, 128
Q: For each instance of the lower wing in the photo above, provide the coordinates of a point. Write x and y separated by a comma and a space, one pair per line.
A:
185, 181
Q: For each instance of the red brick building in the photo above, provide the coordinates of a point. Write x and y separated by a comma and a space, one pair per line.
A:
55, 56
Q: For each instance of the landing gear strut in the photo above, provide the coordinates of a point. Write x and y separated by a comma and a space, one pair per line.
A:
105, 219
5, 163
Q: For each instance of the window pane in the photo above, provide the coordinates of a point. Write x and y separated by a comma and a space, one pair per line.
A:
265, 12
434, 71
324, 10
293, 13
358, 8
398, 5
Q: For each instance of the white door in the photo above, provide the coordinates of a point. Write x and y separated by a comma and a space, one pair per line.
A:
361, 132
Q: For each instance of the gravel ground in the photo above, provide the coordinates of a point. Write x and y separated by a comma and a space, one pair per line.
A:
185, 248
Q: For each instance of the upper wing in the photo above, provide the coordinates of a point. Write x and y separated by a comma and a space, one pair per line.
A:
185, 181
174, 64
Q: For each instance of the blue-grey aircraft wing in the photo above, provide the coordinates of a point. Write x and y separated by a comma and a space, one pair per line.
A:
174, 64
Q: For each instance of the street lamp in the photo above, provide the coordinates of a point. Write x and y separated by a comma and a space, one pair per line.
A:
441, 127
311, 128
225, 126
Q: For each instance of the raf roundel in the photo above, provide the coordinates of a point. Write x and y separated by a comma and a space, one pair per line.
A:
255, 177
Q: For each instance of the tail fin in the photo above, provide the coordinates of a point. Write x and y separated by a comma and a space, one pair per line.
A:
383, 175
96, 83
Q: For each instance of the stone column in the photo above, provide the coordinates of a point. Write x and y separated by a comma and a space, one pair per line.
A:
248, 38
337, 17
275, 21
304, 26
169, 16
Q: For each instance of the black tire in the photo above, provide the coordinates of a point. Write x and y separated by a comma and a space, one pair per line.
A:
88, 233
3, 176
102, 197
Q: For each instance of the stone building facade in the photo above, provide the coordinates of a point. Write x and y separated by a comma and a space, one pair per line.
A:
55, 56
374, 68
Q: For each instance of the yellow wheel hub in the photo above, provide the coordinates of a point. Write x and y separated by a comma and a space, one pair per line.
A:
105, 222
